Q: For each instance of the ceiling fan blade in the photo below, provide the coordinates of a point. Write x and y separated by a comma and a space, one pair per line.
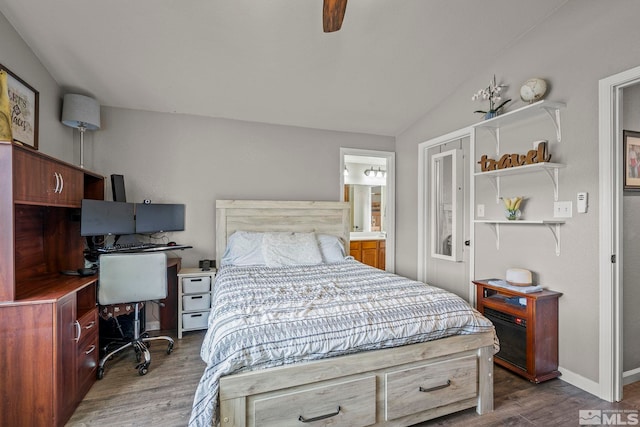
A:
333, 14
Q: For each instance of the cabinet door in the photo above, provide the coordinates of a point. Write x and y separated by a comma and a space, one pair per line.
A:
66, 372
355, 250
370, 253
29, 180
41, 181
65, 185
382, 255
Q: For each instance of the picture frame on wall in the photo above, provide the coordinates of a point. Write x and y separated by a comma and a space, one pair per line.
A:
24, 103
631, 160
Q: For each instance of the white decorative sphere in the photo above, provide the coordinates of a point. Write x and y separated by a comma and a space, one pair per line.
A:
533, 90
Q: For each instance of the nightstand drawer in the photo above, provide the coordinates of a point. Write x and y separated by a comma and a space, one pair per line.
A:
195, 320
429, 386
195, 285
196, 302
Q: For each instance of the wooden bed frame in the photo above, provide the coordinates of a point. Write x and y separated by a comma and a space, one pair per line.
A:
390, 387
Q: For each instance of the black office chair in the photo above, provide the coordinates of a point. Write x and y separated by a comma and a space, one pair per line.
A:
133, 278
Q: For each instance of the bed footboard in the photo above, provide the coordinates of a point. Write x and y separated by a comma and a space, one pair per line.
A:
391, 387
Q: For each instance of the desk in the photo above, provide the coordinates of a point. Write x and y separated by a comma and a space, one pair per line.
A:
169, 313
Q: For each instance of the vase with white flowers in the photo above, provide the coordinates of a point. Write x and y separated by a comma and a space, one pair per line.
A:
491, 93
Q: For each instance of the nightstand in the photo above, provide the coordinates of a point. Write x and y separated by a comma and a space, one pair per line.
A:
194, 299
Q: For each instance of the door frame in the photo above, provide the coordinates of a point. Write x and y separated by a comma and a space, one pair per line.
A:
390, 156
610, 233
423, 202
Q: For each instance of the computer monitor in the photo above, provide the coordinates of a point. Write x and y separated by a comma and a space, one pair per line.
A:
157, 217
101, 217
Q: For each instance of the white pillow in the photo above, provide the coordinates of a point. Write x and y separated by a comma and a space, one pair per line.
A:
331, 248
244, 248
285, 248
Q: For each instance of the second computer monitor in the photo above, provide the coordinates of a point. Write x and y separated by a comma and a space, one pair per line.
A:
156, 217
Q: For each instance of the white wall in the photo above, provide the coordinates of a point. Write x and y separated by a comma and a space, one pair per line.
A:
585, 41
55, 138
172, 158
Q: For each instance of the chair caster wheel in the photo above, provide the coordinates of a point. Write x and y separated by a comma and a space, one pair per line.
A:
100, 373
143, 369
170, 348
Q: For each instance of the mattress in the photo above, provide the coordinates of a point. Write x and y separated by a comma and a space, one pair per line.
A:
264, 317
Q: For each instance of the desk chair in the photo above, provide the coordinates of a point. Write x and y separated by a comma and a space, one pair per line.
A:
133, 278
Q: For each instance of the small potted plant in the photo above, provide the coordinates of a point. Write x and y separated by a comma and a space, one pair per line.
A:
492, 93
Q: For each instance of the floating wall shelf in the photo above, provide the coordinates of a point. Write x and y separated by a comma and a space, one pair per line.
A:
549, 107
551, 170
552, 224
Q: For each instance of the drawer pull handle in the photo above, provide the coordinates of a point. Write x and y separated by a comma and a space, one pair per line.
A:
90, 325
196, 280
93, 347
197, 315
319, 417
197, 297
438, 387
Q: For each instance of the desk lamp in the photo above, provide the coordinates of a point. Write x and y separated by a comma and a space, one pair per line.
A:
83, 113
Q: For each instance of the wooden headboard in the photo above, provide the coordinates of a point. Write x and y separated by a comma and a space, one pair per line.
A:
266, 215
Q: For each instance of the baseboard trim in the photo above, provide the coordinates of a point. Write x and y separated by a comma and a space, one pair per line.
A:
631, 376
581, 382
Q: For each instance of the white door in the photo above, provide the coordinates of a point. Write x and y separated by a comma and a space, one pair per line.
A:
448, 272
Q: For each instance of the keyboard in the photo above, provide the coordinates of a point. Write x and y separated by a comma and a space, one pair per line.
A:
141, 247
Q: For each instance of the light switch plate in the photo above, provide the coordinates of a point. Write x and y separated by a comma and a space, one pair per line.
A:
563, 209
480, 211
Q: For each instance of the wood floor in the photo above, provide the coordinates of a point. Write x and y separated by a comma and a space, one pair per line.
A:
164, 396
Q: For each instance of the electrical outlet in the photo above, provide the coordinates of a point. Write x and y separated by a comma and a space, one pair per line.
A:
563, 209
480, 211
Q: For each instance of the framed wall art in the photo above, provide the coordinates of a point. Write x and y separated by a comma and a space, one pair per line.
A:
24, 105
631, 160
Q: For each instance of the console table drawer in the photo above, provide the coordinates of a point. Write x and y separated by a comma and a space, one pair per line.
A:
413, 390
347, 403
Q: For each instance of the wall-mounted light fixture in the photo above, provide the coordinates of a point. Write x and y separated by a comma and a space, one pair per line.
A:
373, 173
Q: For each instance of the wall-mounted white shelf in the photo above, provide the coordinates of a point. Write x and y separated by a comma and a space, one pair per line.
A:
552, 224
549, 107
551, 170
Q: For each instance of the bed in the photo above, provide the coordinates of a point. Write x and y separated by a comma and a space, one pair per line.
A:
389, 370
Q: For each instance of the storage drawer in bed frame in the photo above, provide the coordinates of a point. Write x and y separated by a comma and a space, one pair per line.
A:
392, 387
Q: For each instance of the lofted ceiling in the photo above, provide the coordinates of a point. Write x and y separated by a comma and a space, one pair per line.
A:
269, 60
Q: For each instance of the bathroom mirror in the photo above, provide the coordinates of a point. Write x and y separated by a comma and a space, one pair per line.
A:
446, 202
368, 207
